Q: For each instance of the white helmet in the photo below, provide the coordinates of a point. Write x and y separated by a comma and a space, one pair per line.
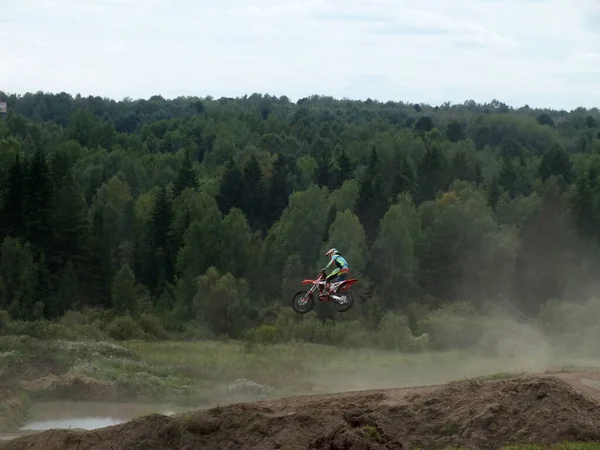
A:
332, 252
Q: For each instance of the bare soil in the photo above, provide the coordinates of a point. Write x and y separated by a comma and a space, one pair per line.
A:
540, 409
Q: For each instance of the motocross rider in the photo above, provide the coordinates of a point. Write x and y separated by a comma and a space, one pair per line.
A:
340, 273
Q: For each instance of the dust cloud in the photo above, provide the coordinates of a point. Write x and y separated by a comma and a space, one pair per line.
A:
564, 336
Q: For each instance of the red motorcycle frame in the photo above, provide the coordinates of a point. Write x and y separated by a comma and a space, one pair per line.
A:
339, 294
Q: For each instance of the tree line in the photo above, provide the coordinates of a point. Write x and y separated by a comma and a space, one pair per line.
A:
212, 210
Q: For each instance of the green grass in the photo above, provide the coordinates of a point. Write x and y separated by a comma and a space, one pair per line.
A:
200, 374
372, 433
299, 368
302, 368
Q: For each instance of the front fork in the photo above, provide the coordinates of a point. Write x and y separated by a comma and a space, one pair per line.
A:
313, 289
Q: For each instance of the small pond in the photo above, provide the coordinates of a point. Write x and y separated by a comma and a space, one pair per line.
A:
90, 415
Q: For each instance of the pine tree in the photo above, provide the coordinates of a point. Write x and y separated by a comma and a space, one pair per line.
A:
71, 224
71, 232
43, 289
102, 270
581, 203
123, 292
455, 132
59, 166
254, 195
507, 178
67, 293
162, 217
372, 203
477, 173
494, 193
278, 191
404, 180
19, 274
11, 212
432, 174
186, 178
556, 162
460, 166
231, 194
161, 257
330, 220
345, 167
323, 175
38, 195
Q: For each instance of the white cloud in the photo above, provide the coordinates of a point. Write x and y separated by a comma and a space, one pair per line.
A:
518, 51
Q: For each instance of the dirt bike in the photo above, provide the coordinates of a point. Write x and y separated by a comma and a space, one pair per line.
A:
339, 293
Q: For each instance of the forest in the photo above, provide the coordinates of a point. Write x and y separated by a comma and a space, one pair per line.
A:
211, 211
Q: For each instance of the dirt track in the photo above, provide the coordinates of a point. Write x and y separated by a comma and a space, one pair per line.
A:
486, 414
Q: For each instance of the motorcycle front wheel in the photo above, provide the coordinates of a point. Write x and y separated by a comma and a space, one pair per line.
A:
303, 302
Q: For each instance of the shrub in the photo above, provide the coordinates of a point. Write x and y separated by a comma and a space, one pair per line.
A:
123, 328
394, 333
196, 331
73, 332
311, 329
37, 329
15, 343
4, 318
264, 334
453, 326
351, 334
100, 318
446, 332
152, 326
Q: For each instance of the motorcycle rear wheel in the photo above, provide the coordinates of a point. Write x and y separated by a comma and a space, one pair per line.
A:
343, 307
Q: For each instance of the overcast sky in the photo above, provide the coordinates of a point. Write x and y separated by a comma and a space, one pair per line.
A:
536, 52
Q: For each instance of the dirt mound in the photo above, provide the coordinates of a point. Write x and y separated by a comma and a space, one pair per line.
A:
484, 415
490, 414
